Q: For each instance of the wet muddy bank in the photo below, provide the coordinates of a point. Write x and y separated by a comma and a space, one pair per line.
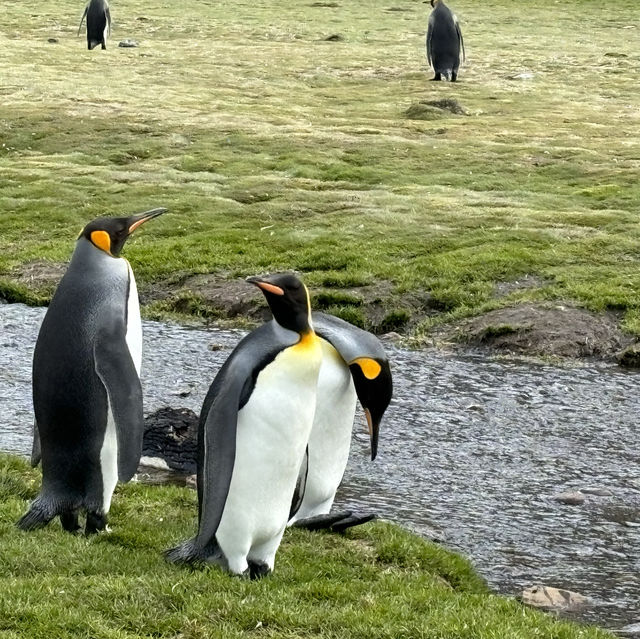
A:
542, 329
473, 451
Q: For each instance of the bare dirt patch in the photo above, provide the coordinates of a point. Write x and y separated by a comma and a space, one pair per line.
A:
41, 276
541, 330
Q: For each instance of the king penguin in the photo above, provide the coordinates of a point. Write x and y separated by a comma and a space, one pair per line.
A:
254, 427
98, 23
86, 387
354, 365
444, 42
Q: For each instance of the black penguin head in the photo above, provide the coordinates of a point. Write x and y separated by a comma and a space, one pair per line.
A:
372, 381
288, 300
110, 233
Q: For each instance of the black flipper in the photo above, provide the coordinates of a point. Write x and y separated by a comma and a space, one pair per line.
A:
350, 522
36, 454
301, 484
82, 19
229, 392
115, 368
321, 522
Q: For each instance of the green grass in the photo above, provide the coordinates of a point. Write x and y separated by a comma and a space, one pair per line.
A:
375, 582
276, 149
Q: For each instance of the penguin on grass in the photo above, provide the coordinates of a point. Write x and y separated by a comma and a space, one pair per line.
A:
86, 387
253, 432
98, 18
444, 42
354, 367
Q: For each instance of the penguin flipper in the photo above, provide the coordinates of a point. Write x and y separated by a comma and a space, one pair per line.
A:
36, 454
108, 14
301, 484
460, 40
229, 392
82, 19
429, 37
115, 368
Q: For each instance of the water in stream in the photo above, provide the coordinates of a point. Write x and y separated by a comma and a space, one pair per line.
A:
472, 451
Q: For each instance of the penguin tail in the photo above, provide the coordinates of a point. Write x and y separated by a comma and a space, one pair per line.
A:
185, 553
39, 515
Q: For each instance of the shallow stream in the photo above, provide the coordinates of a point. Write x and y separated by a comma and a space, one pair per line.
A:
472, 451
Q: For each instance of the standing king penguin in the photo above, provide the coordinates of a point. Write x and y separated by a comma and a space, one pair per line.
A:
444, 42
354, 365
254, 427
86, 387
98, 23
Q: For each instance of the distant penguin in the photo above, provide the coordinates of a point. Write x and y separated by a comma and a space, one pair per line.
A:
444, 42
254, 427
354, 364
86, 388
98, 23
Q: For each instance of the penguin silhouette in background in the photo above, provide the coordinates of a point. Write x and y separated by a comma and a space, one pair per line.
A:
98, 23
354, 365
254, 427
444, 42
86, 387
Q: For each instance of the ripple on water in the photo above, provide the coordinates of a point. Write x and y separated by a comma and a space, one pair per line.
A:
472, 451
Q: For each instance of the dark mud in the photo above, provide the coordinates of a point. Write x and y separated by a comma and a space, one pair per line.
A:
555, 330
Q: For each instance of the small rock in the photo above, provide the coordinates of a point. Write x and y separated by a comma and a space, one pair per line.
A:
335, 37
632, 524
183, 392
128, 44
522, 76
214, 346
391, 336
142, 19
191, 481
598, 492
629, 357
52, 40
570, 498
550, 598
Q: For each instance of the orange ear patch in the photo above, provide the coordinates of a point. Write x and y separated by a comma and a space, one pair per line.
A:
102, 240
370, 368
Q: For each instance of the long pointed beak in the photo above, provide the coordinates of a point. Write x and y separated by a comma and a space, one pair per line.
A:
141, 218
265, 286
374, 430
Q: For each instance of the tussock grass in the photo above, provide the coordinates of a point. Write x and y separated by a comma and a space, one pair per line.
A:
275, 148
378, 581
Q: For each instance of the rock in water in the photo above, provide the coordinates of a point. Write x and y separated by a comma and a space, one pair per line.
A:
550, 598
171, 437
571, 498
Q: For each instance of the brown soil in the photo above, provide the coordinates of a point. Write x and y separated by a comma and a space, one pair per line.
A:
541, 330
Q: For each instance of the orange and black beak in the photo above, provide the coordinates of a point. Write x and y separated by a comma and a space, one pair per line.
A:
264, 284
134, 221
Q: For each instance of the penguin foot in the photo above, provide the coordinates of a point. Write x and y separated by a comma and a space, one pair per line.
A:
95, 523
321, 522
258, 569
437, 77
69, 521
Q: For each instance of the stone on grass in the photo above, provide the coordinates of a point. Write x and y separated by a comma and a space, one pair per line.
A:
128, 44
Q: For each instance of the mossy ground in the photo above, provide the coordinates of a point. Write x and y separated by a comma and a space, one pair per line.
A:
375, 582
275, 148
